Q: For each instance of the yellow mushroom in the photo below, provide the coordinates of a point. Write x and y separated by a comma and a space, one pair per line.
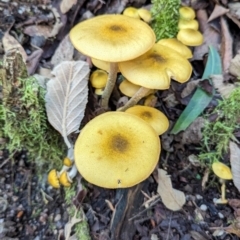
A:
176, 45
66, 177
224, 173
112, 38
152, 116
101, 64
116, 150
53, 178
145, 15
131, 12
190, 37
192, 24
98, 78
154, 70
187, 13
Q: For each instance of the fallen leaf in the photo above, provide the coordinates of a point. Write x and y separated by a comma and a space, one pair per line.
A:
205, 178
210, 35
226, 45
70, 224
9, 43
172, 198
217, 12
66, 97
189, 88
225, 89
66, 5
234, 9
235, 163
38, 30
193, 134
234, 67
64, 52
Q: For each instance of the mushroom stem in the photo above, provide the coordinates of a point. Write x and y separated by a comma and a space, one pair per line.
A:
135, 99
112, 76
223, 190
73, 172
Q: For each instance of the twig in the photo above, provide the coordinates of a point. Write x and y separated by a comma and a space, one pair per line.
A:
169, 227
5, 161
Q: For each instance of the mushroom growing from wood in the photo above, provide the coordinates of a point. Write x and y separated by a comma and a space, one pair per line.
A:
154, 70
224, 173
116, 150
112, 38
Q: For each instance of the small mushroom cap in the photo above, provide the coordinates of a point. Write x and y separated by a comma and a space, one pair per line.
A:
155, 68
67, 162
190, 37
131, 12
53, 178
99, 91
192, 24
222, 171
129, 89
112, 38
187, 13
145, 15
98, 78
116, 150
152, 116
150, 100
176, 45
101, 64
64, 179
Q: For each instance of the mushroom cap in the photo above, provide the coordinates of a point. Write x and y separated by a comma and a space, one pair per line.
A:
155, 68
67, 162
131, 12
187, 13
129, 89
145, 14
112, 38
99, 91
177, 46
101, 64
98, 78
192, 24
64, 179
116, 150
222, 170
152, 116
190, 37
53, 178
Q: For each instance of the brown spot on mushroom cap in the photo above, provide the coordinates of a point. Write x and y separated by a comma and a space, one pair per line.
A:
127, 142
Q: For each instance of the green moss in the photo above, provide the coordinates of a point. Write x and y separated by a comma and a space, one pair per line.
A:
81, 229
165, 18
24, 123
217, 134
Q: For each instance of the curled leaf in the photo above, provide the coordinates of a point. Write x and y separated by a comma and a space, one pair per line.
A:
235, 163
172, 198
66, 96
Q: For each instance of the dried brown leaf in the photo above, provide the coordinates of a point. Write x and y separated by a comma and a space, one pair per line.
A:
38, 30
172, 198
9, 43
66, 5
235, 163
217, 12
225, 89
64, 52
66, 96
234, 67
226, 45
189, 88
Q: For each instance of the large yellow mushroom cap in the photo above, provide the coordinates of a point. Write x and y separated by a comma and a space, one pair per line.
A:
155, 68
112, 38
222, 170
116, 150
152, 116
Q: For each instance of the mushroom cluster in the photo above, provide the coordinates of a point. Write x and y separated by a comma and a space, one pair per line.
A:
188, 28
139, 13
120, 149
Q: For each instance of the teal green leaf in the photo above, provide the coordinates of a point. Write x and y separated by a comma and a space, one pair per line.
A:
201, 98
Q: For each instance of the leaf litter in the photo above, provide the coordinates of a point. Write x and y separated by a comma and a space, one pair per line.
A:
174, 161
